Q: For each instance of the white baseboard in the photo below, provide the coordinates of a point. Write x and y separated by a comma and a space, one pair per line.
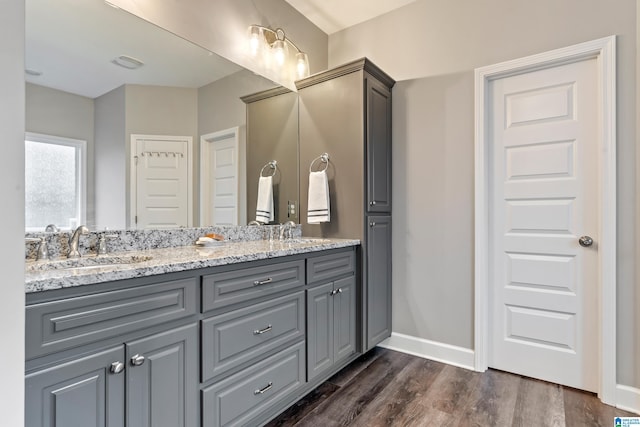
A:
628, 398
440, 352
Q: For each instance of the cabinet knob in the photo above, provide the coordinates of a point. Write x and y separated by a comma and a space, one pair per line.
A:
137, 360
372, 203
116, 367
372, 224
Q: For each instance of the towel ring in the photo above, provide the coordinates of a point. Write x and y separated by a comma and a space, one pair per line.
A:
273, 164
324, 158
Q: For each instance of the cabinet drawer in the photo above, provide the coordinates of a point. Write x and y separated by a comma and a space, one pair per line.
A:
325, 267
241, 397
234, 338
57, 325
222, 289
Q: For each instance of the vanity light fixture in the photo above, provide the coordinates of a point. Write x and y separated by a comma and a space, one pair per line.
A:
276, 51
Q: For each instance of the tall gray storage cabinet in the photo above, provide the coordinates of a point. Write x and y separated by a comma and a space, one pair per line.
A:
346, 112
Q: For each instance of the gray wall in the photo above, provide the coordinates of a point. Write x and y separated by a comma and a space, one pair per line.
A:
221, 26
434, 49
54, 112
110, 170
12, 124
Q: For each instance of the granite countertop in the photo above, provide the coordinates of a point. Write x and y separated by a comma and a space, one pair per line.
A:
40, 277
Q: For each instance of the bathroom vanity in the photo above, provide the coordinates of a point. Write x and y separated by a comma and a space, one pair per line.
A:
190, 336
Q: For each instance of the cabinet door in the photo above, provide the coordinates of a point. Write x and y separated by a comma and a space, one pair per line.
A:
319, 329
378, 280
378, 101
344, 318
79, 393
162, 379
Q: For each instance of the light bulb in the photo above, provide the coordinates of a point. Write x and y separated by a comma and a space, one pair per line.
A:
302, 64
279, 51
254, 39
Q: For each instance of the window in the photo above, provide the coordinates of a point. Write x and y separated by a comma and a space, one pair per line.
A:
55, 182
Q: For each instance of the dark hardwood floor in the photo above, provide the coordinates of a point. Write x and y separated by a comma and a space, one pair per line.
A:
386, 388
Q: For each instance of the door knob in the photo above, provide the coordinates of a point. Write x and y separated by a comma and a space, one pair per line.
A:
585, 241
137, 360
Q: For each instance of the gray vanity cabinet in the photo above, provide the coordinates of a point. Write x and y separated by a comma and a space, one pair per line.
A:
331, 322
331, 311
379, 277
104, 359
346, 112
378, 147
162, 379
79, 393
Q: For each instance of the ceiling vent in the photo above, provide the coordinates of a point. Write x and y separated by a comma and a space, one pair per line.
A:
127, 62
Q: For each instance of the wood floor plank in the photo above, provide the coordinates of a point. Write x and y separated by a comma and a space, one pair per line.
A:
493, 401
392, 389
341, 409
584, 409
539, 403
300, 409
358, 365
400, 403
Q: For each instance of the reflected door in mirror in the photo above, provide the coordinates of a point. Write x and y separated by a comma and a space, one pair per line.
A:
162, 188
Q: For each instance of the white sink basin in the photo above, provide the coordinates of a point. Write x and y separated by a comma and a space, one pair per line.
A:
86, 263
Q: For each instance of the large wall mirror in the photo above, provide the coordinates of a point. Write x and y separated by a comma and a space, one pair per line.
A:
130, 126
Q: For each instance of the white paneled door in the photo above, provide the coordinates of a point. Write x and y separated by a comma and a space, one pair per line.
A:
219, 178
162, 181
544, 224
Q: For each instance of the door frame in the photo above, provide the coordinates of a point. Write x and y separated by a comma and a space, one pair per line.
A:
604, 51
133, 188
205, 148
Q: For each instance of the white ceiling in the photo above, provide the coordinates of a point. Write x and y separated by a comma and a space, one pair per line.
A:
73, 43
334, 15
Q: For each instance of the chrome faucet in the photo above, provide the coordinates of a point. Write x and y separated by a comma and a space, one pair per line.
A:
52, 228
74, 240
284, 227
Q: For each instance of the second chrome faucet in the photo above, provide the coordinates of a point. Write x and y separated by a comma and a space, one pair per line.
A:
74, 242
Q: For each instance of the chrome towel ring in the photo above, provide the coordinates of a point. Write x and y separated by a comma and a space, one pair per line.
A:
273, 164
324, 159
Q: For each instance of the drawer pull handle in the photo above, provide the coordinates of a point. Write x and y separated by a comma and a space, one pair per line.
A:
263, 282
263, 390
262, 331
137, 360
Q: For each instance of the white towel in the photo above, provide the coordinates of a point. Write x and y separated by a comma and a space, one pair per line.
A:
318, 203
264, 205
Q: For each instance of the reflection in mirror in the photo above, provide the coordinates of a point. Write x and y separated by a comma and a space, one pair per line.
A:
144, 101
272, 140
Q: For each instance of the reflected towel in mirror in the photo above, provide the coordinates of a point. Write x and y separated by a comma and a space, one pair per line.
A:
318, 202
264, 205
